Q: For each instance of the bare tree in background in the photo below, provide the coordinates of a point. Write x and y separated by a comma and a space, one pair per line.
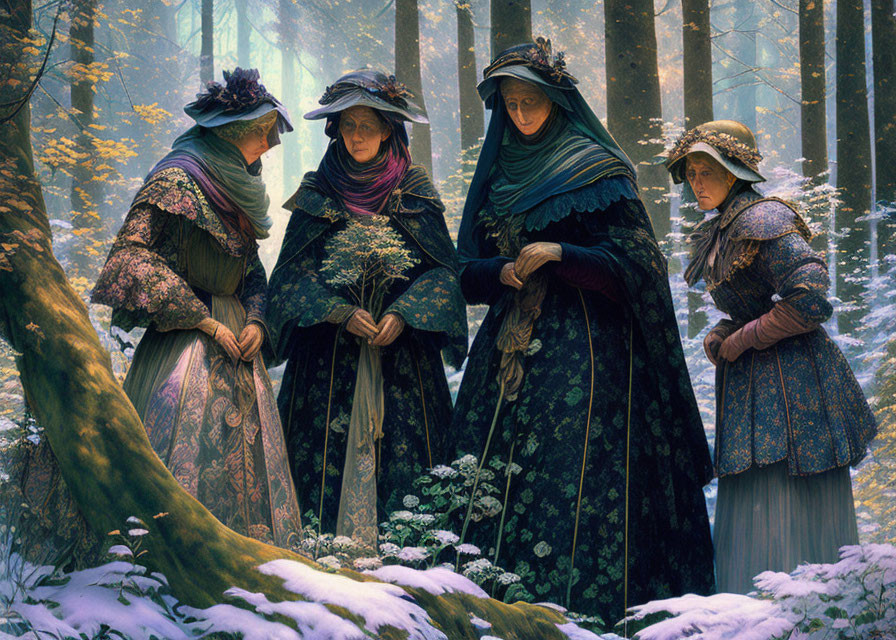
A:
243, 30
86, 192
737, 53
287, 18
634, 109
207, 53
853, 157
697, 63
511, 24
407, 70
472, 121
813, 121
883, 33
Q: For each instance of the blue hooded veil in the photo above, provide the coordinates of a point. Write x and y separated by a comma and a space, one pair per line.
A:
598, 155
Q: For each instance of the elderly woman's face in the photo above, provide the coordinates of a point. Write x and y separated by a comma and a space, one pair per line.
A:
527, 105
709, 180
363, 132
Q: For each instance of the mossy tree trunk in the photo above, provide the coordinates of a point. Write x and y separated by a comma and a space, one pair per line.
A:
96, 436
86, 192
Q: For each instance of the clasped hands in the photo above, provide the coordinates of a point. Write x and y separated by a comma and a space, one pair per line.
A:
380, 334
245, 348
532, 257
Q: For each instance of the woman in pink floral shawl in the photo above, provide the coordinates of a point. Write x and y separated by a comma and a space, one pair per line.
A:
185, 265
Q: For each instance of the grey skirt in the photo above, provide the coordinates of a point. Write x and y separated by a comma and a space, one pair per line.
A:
767, 520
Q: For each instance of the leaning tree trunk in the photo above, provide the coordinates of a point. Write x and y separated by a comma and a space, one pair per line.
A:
634, 109
86, 192
97, 438
207, 52
471, 116
242, 34
407, 70
697, 65
812, 82
883, 34
853, 158
511, 23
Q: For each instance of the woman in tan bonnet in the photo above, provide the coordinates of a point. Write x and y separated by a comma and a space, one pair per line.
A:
790, 416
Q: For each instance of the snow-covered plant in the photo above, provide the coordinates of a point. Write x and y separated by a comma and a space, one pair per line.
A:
852, 599
364, 259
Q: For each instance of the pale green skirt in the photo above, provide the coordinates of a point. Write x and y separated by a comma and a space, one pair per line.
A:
767, 520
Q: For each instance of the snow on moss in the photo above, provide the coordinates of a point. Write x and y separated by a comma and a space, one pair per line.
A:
436, 581
379, 604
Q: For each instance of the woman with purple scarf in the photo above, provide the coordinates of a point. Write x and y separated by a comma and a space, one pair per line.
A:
363, 299
185, 266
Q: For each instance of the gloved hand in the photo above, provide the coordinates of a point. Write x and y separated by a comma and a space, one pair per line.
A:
783, 321
716, 337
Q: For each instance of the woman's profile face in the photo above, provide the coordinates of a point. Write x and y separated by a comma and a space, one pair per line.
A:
256, 143
362, 132
709, 180
527, 105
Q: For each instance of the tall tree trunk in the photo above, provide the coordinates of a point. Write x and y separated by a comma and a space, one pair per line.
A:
156, 75
511, 22
812, 82
288, 35
697, 62
883, 34
86, 192
242, 34
737, 77
853, 157
407, 70
101, 446
207, 53
472, 122
634, 108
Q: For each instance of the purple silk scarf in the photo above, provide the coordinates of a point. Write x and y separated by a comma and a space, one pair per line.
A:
363, 188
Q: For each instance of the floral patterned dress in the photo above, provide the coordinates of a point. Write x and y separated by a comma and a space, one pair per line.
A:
212, 422
603, 504
790, 418
318, 384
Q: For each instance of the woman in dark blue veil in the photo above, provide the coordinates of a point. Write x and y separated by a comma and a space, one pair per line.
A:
576, 389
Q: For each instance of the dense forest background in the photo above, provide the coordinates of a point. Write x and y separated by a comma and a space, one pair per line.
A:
815, 81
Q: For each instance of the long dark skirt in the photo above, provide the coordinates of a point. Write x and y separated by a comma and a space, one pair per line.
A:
315, 405
600, 515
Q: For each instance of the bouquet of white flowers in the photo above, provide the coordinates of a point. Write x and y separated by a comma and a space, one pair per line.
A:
364, 259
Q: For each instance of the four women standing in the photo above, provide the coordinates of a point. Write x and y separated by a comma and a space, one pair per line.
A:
576, 387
